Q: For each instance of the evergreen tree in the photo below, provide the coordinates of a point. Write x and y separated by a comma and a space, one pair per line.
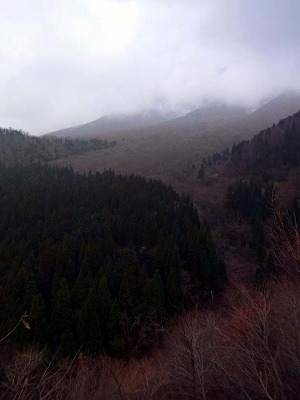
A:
89, 332
61, 316
173, 295
157, 292
105, 300
118, 244
39, 328
125, 294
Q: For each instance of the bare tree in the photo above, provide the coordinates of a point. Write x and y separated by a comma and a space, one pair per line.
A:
31, 375
283, 235
23, 321
194, 365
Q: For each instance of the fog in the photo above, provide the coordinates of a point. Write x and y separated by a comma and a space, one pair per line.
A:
66, 62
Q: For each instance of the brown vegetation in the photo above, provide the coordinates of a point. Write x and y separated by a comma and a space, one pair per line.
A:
246, 349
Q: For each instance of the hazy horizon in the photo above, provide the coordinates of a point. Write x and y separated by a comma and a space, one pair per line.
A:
64, 63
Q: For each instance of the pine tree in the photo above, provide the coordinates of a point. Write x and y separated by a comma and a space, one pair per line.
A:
39, 331
105, 300
157, 292
172, 292
88, 330
61, 316
117, 342
125, 297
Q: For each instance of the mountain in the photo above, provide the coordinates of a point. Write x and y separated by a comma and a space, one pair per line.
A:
208, 117
211, 112
271, 156
271, 112
214, 119
173, 151
221, 119
116, 123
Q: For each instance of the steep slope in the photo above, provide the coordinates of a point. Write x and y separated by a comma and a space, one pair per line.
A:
236, 196
273, 152
272, 156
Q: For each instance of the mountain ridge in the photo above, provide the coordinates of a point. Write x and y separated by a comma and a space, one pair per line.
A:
112, 123
207, 119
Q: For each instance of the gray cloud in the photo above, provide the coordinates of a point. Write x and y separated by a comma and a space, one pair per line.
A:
67, 62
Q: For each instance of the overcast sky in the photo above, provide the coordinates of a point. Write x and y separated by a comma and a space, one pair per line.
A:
66, 62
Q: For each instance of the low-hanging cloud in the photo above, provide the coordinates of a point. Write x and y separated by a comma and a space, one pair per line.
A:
66, 62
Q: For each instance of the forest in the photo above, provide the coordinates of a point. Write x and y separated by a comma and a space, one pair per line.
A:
98, 261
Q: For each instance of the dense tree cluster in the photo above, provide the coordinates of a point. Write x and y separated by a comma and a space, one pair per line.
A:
267, 158
18, 147
254, 203
272, 150
223, 156
217, 158
97, 260
250, 199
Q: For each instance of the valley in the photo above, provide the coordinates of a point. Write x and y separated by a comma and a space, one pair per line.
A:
149, 200
173, 153
147, 282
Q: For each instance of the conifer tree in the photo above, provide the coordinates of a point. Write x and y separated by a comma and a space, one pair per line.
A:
89, 333
61, 316
172, 292
105, 300
157, 292
125, 297
39, 329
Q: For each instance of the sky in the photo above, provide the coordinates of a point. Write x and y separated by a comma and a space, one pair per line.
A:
67, 62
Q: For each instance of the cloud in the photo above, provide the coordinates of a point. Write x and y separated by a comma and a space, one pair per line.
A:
66, 62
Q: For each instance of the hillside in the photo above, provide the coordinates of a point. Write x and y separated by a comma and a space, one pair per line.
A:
174, 155
272, 156
274, 110
18, 147
169, 151
276, 145
237, 195
98, 261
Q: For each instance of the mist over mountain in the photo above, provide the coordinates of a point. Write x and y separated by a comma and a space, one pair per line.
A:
63, 63
116, 123
276, 109
210, 118
211, 112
